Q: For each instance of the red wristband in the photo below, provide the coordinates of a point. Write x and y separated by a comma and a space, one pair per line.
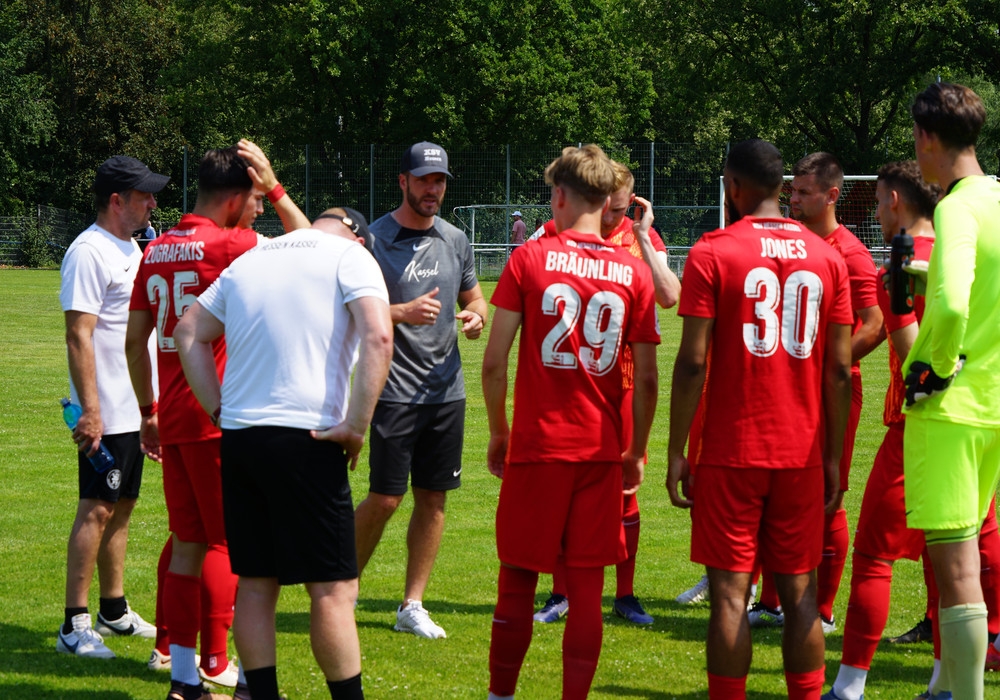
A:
148, 410
276, 193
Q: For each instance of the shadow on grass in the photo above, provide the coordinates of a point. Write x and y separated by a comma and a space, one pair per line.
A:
25, 651
298, 622
621, 691
24, 691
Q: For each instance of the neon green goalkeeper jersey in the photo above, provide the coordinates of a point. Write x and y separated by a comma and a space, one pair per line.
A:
962, 315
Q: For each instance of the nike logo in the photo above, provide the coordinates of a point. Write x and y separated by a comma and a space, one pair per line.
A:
457, 472
64, 638
127, 268
421, 246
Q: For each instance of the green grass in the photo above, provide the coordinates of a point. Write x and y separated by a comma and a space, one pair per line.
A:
38, 500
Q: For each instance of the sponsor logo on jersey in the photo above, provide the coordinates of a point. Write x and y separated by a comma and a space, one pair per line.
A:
783, 248
415, 273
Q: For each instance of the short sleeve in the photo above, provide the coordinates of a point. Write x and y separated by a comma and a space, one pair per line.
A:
213, 298
657, 242
468, 262
864, 281
85, 280
893, 322
507, 294
360, 276
698, 286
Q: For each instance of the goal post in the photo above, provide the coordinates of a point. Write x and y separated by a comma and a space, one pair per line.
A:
855, 208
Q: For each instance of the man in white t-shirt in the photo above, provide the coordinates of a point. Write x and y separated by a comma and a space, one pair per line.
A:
296, 311
97, 275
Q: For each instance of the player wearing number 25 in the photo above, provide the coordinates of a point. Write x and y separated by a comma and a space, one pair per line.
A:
578, 303
768, 304
175, 269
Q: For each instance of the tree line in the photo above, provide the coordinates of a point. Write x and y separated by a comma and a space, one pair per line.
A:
85, 79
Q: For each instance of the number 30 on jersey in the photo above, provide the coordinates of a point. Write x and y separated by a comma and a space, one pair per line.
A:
794, 307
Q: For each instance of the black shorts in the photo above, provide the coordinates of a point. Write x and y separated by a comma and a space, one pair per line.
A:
287, 505
122, 480
419, 441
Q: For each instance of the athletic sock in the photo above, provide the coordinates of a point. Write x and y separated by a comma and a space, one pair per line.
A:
70, 614
263, 683
584, 630
989, 554
182, 665
831, 568
162, 643
347, 689
850, 683
625, 570
963, 648
113, 608
512, 623
936, 684
867, 611
182, 608
726, 688
768, 591
559, 578
218, 595
803, 686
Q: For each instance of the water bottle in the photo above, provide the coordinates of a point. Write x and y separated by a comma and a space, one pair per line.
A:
102, 459
901, 283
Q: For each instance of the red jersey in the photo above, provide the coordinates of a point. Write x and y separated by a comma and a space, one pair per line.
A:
892, 412
773, 288
581, 301
176, 267
624, 237
862, 270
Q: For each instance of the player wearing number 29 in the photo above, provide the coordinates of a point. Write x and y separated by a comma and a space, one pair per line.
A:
175, 269
771, 303
578, 302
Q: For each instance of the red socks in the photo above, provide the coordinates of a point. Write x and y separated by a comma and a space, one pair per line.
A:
182, 605
218, 595
726, 688
162, 644
835, 545
584, 630
625, 570
805, 686
867, 610
512, 623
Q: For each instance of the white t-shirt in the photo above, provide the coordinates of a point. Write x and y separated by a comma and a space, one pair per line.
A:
97, 275
290, 340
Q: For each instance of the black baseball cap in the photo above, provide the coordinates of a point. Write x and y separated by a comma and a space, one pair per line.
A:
353, 220
121, 173
424, 158
359, 226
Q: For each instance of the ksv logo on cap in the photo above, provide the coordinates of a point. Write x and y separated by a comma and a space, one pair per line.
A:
424, 158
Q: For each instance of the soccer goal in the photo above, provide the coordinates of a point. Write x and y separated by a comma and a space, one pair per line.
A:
855, 208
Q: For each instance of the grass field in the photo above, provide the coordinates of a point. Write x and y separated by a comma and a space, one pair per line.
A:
39, 495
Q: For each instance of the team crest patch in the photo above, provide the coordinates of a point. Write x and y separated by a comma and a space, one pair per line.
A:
114, 479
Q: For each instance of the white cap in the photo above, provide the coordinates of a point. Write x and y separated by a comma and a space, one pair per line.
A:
517, 213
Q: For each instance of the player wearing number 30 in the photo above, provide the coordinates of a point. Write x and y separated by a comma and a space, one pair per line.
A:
770, 302
578, 303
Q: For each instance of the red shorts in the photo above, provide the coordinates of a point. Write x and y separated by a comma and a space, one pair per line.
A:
192, 485
853, 419
779, 510
882, 531
553, 508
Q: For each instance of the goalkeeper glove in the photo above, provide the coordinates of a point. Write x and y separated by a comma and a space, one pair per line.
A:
922, 382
